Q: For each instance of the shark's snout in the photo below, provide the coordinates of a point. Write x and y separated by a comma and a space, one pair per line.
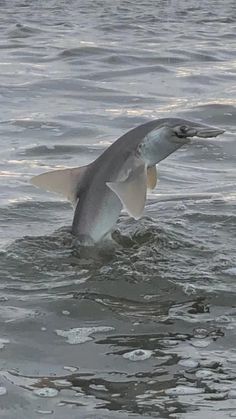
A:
209, 132
184, 131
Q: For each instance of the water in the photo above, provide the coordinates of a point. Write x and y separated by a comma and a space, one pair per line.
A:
145, 328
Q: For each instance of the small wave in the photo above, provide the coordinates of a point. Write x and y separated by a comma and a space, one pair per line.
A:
23, 31
83, 51
59, 149
104, 75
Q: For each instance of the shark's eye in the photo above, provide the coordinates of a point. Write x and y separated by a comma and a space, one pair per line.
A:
182, 131
139, 148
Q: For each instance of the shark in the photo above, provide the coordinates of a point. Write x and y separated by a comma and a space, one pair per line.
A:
119, 178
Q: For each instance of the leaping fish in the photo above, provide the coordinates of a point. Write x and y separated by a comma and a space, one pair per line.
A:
120, 176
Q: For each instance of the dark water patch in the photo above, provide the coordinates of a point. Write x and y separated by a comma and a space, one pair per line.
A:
23, 31
228, 36
25, 217
126, 73
165, 251
200, 79
84, 51
200, 56
216, 20
44, 150
59, 128
35, 124
137, 59
11, 45
32, 57
131, 386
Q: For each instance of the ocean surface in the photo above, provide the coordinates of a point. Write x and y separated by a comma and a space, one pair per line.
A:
146, 327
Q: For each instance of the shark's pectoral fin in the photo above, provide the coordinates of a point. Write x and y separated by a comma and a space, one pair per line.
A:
151, 177
132, 192
65, 182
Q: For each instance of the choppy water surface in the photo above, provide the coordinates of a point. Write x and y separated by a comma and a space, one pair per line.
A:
145, 328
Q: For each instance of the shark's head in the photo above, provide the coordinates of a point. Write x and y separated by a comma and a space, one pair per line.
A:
164, 140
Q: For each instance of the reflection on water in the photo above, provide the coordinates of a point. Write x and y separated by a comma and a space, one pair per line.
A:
145, 324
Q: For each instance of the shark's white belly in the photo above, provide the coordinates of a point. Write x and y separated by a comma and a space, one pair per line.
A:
106, 218
92, 229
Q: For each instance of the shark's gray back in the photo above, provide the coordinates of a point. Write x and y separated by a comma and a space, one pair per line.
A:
129, 142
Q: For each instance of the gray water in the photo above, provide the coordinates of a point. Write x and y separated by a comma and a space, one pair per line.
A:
74, 76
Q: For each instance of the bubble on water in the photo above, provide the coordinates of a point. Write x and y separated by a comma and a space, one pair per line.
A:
62, 383
184, 391
138, 355
217, 396
69, 368
46, 392
189, 289
219, 387
208, 363
223, 319
169, 342
45, 412
65, 312
99, 387
3, 391
200, 343
82, 334
172, 409
200, 333
188, 363
205, 374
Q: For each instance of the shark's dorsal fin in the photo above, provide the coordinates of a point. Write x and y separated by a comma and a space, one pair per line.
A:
65, 182
132, 192
151, 177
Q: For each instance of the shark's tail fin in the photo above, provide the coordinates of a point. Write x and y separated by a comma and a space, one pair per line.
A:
66, 182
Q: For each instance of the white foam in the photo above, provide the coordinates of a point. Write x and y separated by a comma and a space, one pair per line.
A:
200, 343
200, 333
45, 412
62, 383
46, 392
66, 312
71, 369
82, 334
184, 391
188, 363
205, 374
138, 355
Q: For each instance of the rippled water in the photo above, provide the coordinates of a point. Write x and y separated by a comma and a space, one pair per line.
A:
145, 328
